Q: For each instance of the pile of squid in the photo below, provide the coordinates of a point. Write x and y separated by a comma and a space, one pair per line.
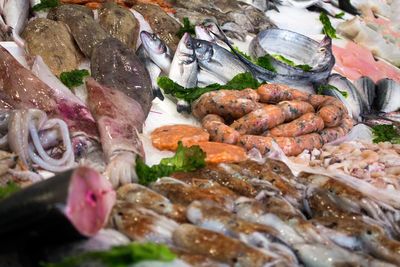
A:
252, 214
295, 120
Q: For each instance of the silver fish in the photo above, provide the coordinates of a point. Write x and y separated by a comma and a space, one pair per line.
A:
216, 59
387, 95
366, 87
15, 13
184, 68
260, 4
354, 102
153, 70
157, 50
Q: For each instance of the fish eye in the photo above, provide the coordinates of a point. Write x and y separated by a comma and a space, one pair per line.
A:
154, 36
199, 45
322, 49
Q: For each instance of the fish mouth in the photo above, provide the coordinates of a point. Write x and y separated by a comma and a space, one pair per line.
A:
151, 42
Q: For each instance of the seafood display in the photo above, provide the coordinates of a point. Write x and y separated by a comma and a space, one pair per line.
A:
199, 133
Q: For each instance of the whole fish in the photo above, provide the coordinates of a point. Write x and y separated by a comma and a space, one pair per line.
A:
355, 102
15, 13
387, 95
162, 24
184, 68
153, 70
217, 60
80, 20
120, 23
114, 65
157, 50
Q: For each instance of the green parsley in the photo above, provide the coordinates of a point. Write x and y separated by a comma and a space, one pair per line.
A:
339, 15
187, 27
45, 4
324, 87
304, 67
8, 189
186, 159
120, 256
239, 82
73, 78
328, 28
386, 133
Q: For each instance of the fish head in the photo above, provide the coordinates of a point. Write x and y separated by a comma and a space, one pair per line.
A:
186, 49
203, 49
152, 43
325, 45
203, 33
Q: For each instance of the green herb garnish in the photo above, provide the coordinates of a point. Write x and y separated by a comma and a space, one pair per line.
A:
187, 27
120, 256
239, 82
73, 78
45, 4
327, 29
242, 53
339, 15
186, 159
304, 67
386, 133
8, 189
324, 87
264, 61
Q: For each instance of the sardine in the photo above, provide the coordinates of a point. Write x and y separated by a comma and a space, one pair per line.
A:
184, 68
387, 95
15, 14
157, 50
115, 65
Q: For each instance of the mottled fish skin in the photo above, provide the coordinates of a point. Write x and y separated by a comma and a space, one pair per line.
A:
85, 30
120, 23
161, 23
366, 87
54, 43
116, 66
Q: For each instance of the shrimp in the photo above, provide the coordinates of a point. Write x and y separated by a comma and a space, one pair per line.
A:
275, 93
330, 109
294, 109
229, 104
306, 124
334, 133
218, 130
218, 246
260, 120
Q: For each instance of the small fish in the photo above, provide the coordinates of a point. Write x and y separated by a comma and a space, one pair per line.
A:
217, 60
387, 95
354, 102
157, 50
366, 86
15, 13
153, 70
184, 68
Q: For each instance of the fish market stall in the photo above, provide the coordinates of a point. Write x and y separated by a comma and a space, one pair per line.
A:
199, 133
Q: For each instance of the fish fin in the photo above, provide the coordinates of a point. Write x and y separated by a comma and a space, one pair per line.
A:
157, 93
348, 7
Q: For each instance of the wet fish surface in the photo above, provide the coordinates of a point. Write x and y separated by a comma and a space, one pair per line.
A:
116, 66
